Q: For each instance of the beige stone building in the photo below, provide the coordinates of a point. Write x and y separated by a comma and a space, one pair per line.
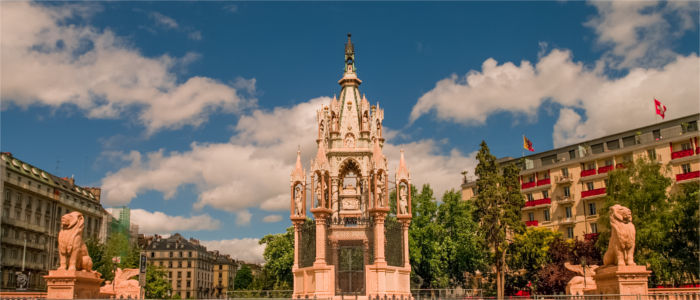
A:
33, 202
225, 269
192, 270
564, 188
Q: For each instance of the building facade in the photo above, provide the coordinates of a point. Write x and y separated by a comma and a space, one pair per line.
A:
564, 188
191, 269
33, 202
225, 269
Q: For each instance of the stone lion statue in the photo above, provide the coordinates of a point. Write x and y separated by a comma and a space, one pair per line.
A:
73, 254
621, 247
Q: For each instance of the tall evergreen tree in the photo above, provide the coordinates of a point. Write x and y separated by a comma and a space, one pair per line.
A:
498, 203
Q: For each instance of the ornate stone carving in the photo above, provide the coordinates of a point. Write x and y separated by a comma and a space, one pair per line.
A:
584, 280
298, 204
403, 200
380, 190
621, 247
73, 254
123, 287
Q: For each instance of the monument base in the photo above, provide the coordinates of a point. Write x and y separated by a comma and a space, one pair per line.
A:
621, 280
65, 284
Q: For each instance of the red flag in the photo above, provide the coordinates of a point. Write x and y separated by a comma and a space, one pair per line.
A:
527, 144
660, 108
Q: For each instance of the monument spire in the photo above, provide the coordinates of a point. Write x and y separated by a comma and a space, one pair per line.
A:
350, 73
402, 171
298, 172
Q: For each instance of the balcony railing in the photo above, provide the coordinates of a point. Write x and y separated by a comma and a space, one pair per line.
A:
593, 192
682, 153
544, 182
531, 223
590, 172
603, 170
538, 202
686, 176
528, 185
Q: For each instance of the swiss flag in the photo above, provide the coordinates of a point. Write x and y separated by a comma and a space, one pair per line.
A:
660, 108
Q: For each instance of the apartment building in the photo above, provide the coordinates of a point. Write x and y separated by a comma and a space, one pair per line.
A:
32, 205
225, 269
190, 267
564, 188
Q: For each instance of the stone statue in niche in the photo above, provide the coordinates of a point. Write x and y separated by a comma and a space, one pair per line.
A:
622, 238
73, 254
298, 207
379, 128
380, 190
334, 122
403, 200
318, 195
320, 130
365, 121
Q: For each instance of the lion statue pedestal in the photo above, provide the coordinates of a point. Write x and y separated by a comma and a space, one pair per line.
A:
74, 278
619, 275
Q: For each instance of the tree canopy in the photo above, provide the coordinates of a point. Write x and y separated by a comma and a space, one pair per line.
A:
666, 223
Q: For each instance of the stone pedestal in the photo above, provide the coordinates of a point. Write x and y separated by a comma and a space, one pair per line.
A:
65, 284
622, 280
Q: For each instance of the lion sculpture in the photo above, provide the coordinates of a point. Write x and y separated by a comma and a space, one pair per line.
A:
621, 247
73, 254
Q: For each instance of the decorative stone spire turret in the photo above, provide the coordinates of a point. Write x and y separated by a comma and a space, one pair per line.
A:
402, 171
298, 174
350, 74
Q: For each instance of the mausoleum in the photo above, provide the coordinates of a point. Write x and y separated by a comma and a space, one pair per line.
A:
357, 241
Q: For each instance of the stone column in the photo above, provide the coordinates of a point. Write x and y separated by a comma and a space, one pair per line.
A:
365, 251
405, 223
379, 238
320, 240
297, 236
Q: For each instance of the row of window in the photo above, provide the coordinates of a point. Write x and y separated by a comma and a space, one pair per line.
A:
592, 211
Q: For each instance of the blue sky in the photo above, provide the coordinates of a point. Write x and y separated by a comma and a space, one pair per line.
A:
191, 112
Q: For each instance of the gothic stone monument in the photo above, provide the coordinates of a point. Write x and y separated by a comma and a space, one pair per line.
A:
619, 274
74, 278
348, 250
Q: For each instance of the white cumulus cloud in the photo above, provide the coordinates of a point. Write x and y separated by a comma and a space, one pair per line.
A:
157, 222
245, 249
272, 218
638, 35
252, 169
48, 62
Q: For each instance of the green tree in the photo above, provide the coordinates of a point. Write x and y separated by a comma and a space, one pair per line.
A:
157, 283
244, 277
529, 252
642, 187
462, 243
117, 245
497, 212
426, 246
683, 231
279, 258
